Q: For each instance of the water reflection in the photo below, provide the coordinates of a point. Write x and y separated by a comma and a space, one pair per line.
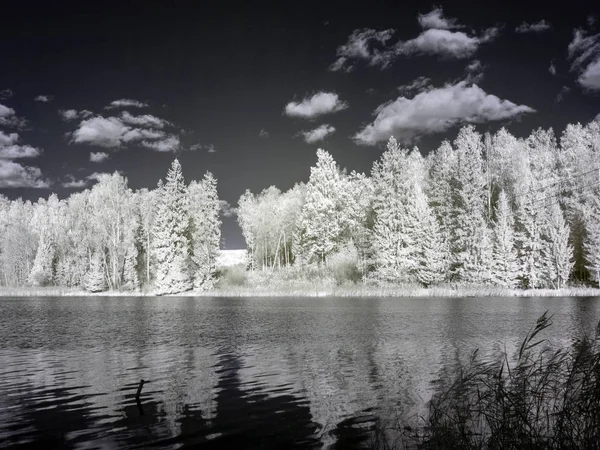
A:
243, 373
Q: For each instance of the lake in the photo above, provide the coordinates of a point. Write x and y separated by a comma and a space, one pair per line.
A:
243, 372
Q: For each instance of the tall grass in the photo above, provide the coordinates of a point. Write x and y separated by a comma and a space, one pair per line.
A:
547, 399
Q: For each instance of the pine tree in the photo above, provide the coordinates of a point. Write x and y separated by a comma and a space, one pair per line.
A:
393, 244
592, 242
505, 265
42, 272
321, 218
557, 252
206, 231
468, 230
95, 280
170, 235
432, 258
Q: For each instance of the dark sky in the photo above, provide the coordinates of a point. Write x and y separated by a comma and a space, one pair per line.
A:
222, 74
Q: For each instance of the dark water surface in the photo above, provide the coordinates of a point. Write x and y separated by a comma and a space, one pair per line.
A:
242, 373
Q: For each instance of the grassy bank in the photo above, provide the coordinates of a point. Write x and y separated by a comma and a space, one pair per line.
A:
546, 399
315, 291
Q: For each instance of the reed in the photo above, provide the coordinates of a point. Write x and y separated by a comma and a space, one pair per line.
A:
546, 399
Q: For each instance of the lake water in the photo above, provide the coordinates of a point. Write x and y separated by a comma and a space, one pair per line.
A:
244, 372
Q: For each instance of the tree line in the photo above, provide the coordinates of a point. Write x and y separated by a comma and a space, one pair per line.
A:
112, 238
485, 209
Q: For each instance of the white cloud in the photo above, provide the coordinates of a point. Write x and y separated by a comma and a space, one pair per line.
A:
419, 84
8, 139
444, 43
126, 103
318, 134
6, 93
590, 77
137, 134
72, 114
474, 72
597, 117
98, 156
10, 148
435, 111
437, 39
9, 119
104, 132
360, 46
116, 131
43, 98
74, 183
18, 151
263, 133
210, 148
317, 105
226, 209
536, 27
552, 68
436, 19
112, 132
588, 61
145, 120
15, 175
169, 144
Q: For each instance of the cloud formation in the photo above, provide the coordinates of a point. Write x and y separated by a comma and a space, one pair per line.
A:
11, 149
319, 104
145, 120
318, 134
445, 43
419, 84
263, 133
168, 144
43, 98
8, 118
210, 148
437, 39
126, 103
72, 182
360, 45
552, 68
71, 114
98, 157
536, 27
584, 51
15, 175
226, 209
435, 111
436, 19
114, 132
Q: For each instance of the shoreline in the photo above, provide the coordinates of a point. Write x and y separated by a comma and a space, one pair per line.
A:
450, 292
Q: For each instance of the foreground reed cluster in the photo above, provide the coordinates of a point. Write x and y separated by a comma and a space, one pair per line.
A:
547, 399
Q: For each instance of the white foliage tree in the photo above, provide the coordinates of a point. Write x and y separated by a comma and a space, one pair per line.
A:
171, 229
321, 219
557, 252
205, 229
505, 265
432, 258
592, 243
469, 237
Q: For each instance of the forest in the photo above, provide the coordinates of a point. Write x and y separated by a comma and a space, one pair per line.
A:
484, 210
